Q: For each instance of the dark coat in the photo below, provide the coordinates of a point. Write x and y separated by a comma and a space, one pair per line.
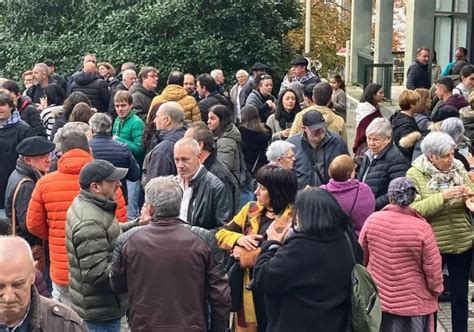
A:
418, 76
254, 145
59, 123
93, 87
186, 279
214, 98
36, 92
258, 100
450, 108
405, 133
30, 115
378, 172
332, 146
141, 99
306, 282
9, 139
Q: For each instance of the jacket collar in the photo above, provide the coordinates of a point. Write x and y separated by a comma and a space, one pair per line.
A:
131, 114
36, 321
102, 203
27, 170
162, 221
404, 210
210, 160
201, 173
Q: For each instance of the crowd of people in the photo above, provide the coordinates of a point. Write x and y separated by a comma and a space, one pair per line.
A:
204, 208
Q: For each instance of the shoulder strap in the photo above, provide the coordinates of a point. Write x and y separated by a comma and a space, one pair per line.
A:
349, 243
255, 164
247, 218
17, 189
355, 200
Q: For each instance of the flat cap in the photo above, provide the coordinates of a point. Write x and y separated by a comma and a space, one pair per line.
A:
259, 66
299, 61
35, 146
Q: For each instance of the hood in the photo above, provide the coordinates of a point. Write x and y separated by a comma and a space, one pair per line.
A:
172, 135
457, 101
399, 119
137, 87
82, 78
341, 187
174, 92
231, 131
363, 110
72, 161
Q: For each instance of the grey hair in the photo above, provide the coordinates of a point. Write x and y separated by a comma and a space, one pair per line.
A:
174, 111
195, 148
454, 127
380, 127
164, 194
128, 73
43, 67
10, 244
437, 143
241, 72
100, 123
277, 150
216, 72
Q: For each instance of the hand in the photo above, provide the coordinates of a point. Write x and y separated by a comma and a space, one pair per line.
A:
249, 242
285, 133
470, 204
271, 104
273, 235
43, 102
114, 137
236, 252
145, 216
454, 193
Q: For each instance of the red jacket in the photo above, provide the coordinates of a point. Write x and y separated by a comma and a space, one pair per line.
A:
52, 196
401, 254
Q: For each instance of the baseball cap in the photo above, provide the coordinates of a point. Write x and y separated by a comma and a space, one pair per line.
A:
99, 170
313, 120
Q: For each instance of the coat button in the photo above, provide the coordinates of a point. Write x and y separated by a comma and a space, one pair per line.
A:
56, 308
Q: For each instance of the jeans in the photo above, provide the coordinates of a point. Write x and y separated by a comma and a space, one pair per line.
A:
103, 326
133, 189
3, 213
458, 286
247, 194
61, 294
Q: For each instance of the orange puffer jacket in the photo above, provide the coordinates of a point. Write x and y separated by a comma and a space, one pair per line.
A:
52, 196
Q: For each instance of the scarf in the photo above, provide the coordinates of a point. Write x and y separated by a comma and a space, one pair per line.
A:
454, 177
284, 117
14, 118
363, 110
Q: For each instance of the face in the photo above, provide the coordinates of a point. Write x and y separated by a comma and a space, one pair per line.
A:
39, 75
334, 84
376, 143
468, 81
299, 70
289, 101
220, 79
213, 121
242, 79
150, 82
89, 58
5, 112
187, 163
161, 121
200, 89
443, 163
440, 90
104, 72
106, 188
189, 83
266, 87
287, 161
39, 163
423, 57
459, 55
379, 95
314, 136
122, 108
28, 81
128, 82
16, 280
263, 196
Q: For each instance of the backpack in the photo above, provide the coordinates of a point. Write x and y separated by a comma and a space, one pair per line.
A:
366, 308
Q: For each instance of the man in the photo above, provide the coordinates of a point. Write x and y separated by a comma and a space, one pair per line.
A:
42, 80
52, 73
177, 262
208, 157
91, 233
190, 86
464, 87
418, 74
106, 148
87, 58
301, 73
218, 76
143, 91
257, 69
128, 79
322, 93
52, 196
207, 88
459, 55
314, 150
448, 105
94, 87
12, 131
175, 91
22, 308
169, 122
205, 203
242, 78
26, 108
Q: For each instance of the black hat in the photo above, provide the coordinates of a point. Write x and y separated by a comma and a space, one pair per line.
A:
299, 61
99, 170
35, 146
313, 120
259, 66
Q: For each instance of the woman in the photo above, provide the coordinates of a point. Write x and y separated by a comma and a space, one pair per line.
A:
242, 77
262, 97
281, 153
355, 198
107, 72
227, 138
421, 116
306, 280
338, 98
367, 110
443, 185
280, 122
408, 275
467, 117
455, 128
276, 191
405, 130
255, 138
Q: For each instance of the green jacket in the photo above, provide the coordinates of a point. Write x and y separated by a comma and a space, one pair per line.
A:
130, 131
450, 221
91, 233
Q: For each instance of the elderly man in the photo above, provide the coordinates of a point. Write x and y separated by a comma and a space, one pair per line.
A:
218, 76
206, 203
21, 307
242, 78
169, 121
177, 262
301, 73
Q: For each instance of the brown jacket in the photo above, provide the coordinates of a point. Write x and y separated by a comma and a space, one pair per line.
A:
49, 315
172, 276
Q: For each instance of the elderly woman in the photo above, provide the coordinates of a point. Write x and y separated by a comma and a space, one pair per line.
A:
443, 185
383, 162
454, 127
242, 77
275, 193
355, 198
408, 275
305, 280
281, 153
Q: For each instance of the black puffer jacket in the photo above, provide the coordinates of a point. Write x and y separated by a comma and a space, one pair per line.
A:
215, 98
141, 99
30, 115
378, 172
210, 205
93, 87
258, 100
418, 76
405, 133
449, 109
254, 145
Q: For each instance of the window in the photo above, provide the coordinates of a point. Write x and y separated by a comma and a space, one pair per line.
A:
444, 5
459, 33
461, 6
443, 40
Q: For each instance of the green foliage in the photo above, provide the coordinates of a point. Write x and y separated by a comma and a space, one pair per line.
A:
192, 35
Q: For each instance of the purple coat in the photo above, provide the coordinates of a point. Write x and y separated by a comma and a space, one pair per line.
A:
345, 193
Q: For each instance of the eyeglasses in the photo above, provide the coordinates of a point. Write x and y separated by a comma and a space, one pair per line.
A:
289, 157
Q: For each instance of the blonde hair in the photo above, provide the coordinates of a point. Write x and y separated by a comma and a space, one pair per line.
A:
408, 99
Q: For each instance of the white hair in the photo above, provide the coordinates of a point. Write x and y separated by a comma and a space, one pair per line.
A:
380, 127
454, 127
191, 142
100, 123
241, 72
277, 150
216, 72
437, 143
129, 73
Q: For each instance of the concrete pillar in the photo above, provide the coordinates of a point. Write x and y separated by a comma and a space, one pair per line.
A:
360, 33
420, 29
383, 36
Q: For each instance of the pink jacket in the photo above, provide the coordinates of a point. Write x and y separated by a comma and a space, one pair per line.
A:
401, 254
